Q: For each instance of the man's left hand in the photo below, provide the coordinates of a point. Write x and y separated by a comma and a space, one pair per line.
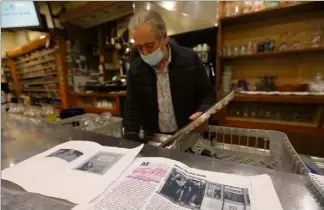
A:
195, 115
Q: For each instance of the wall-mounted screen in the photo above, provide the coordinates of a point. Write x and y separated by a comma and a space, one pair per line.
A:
19, 14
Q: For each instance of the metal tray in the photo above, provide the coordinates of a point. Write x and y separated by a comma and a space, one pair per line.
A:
269, 149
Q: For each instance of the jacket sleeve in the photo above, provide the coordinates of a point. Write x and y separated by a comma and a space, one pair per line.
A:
131, 120
205, 92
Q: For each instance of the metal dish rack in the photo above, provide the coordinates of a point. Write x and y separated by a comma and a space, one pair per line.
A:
269, 149
263, 148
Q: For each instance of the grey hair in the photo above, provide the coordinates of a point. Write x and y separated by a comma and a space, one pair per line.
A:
149, 17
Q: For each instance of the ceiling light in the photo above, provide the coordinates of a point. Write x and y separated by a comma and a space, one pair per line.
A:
215, 24
184, 14
42, 36
169, 5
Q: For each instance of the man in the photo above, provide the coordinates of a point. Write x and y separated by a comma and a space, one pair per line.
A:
167, 85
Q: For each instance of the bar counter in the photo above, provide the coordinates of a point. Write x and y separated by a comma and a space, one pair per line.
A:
24, 137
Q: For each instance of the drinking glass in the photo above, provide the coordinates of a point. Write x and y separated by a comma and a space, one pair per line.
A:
236, 51
88, 122
105, 117
249, 49
243, 50
283, 42
229, 51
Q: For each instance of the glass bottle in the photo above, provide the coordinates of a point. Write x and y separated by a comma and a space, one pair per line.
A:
317, 36
227, 9
237, 9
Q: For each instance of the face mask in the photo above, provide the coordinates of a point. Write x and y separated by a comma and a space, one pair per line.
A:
154, 58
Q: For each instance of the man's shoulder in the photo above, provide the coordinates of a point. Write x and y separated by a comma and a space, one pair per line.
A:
183, 55
136, 65
184, 52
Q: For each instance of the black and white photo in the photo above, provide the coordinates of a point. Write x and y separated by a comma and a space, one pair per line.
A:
66, 154
100, 162
183, 190
192, 193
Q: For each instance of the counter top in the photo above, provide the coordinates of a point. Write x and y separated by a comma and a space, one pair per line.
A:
23, 137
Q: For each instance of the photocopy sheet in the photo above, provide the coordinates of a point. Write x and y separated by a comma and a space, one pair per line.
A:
164, 184
77, 171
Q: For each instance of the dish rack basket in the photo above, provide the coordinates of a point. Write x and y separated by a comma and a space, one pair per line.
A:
263, 148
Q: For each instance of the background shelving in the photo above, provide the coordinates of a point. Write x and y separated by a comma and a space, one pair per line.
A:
289, 23
38, 70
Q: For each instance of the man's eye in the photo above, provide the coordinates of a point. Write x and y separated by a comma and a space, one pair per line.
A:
150, 46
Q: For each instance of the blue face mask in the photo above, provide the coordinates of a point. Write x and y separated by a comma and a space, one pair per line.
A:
154, 58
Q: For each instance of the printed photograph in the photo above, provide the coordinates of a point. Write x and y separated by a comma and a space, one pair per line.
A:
183, 191
201, 194
66, 154
234, 198
100, 163
222, 197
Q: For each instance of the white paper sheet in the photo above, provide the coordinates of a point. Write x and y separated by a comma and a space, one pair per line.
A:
160, 183
77, 171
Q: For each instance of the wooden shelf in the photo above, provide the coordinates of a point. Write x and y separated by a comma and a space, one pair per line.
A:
44, 75
279, 99
39, 43
271, 13
35, 56
53, 98
98, 94
36, 63
99, 110
284, 126
39, 90
37, 69
275, 53
39, 83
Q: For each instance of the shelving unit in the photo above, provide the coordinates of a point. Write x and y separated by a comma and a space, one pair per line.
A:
6, 73
38, 70
279, 99
291, 23
88, 101
276, 53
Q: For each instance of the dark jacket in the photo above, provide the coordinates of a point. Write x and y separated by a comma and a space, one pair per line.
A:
190, 89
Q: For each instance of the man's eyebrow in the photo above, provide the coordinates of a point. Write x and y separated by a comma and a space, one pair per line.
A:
137, 45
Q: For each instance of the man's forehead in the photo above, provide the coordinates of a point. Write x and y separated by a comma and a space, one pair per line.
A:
143, 33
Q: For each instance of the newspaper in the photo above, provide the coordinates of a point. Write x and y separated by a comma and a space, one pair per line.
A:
160, 183
77, 171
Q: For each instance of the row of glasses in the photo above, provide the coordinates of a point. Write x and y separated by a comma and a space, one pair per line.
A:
244, 49
285, 41
92, 121
32, 111
16, 108
297, 114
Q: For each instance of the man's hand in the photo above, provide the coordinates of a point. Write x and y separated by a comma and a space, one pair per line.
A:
201, 128
195, 115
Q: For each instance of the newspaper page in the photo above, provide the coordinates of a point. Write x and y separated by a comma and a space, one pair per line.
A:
164, 184
77, 171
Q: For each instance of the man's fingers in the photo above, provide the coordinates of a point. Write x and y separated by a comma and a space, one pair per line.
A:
195, 115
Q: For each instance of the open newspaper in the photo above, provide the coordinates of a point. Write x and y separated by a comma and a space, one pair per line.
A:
77, 171
164, 184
